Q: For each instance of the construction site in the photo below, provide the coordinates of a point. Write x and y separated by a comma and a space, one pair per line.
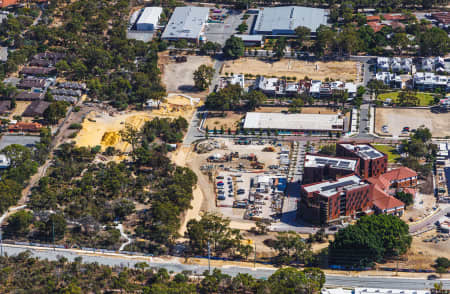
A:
248, 177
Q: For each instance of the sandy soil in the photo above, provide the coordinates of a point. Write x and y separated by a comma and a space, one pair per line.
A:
180, 157
423, 205
422, 254
230, 121
396, 119
102, 128
20, 108
294, 68
179, 77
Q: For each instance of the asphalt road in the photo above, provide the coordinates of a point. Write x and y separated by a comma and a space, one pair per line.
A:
259, 272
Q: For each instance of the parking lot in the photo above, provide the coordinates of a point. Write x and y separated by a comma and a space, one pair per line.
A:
220, 32
249, 177
396, 120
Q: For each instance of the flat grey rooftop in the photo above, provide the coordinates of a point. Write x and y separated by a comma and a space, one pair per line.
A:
186, 22
363, 150
329, 188
281, 121
285, 19
312, 160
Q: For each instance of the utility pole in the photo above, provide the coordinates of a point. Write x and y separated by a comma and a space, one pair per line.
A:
209, 258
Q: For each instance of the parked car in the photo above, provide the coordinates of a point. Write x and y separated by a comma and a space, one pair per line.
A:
432, 277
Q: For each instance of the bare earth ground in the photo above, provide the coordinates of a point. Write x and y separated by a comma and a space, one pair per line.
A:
180, 157
396, 119
102, 128
179, 77
20, 108
232, 119
420, 209
338, 70
422, 254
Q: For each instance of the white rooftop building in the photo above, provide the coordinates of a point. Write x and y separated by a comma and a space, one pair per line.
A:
317, 123
149, 19
186, 22
329, 188
5, 162
363, 150
390, 79
430, 81
285, 19
312, 160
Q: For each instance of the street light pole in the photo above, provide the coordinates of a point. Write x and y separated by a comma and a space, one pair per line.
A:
53, 233
209, 258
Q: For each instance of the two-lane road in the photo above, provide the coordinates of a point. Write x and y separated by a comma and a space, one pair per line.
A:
175, 265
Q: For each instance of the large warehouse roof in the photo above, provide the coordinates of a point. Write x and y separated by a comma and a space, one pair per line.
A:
285, 19
150, 15
281, 121
186, 23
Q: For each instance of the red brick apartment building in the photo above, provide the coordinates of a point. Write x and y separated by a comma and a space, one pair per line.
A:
326, 202
330, 201
372, 162
321, 167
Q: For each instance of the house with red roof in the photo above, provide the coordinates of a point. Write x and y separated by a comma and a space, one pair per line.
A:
402, 177
384, 203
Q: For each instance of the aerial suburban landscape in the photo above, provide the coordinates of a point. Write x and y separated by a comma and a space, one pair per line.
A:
225, 147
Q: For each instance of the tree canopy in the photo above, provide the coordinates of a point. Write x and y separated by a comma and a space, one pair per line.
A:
372, 239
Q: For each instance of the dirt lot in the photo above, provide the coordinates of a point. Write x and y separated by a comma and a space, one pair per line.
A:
423, 205
232, 118
102, 128
422, 254
20, 108
346, 70
178, 77
396, 119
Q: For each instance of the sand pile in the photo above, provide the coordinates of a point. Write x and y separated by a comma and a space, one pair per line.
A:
110, 138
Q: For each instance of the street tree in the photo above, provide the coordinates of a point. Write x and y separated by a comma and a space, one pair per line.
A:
234, 48
203, 76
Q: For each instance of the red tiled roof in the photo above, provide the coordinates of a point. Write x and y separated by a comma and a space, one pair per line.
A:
399, 174
25, 126
373, 18
379, 181
397, 16
411, 191
383, 201
376, 26
396, 24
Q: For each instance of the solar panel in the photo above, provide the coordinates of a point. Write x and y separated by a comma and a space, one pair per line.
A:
364, 148
332, 162
344, 163
372, 154
337, 185
321, 160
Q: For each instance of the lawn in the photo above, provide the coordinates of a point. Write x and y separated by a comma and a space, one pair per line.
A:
424, 98
391, 152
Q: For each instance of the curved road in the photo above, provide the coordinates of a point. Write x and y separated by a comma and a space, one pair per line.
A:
174, 264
